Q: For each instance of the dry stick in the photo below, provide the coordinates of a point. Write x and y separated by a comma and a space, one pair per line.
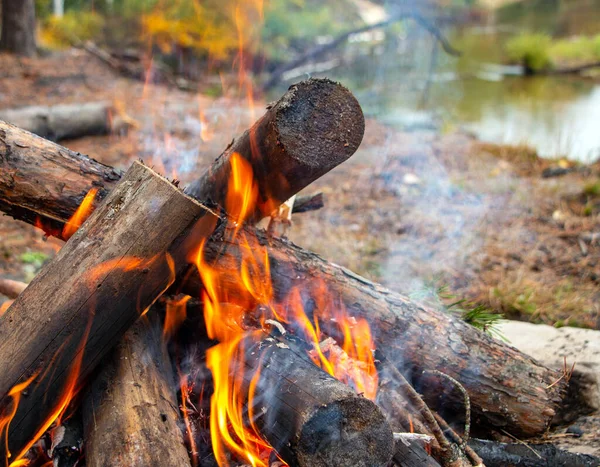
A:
472, 455
506, 387
79, 305
449, 456
10, 288
461, 388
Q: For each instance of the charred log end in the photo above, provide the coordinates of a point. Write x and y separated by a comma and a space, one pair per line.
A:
348, 432
320, 124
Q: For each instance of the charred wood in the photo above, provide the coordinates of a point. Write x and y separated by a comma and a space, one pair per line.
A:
495, 454
308, 416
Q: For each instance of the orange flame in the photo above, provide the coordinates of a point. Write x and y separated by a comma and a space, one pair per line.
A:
81, 214
242, 294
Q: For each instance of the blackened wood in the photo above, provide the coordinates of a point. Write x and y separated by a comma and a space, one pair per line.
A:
308, 416
131, 413
67, 442
308, 203
314, 127
66, 121
115, 266
495, 454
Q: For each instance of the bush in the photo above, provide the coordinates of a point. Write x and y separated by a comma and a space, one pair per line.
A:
530, 50
73, 27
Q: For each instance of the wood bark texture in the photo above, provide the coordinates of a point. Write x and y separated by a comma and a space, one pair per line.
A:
115, 266
507, 388
131, 412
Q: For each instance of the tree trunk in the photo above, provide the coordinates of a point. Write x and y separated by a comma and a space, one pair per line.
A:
131, 413
116, 265
59, 8
18, 27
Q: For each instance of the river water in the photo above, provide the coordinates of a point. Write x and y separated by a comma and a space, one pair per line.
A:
401, 80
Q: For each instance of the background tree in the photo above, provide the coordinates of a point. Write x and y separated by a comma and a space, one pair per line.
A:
18, 27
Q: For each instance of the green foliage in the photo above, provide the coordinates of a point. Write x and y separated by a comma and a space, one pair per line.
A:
530, 50
73, 27
592, 188
477, 315
35, 258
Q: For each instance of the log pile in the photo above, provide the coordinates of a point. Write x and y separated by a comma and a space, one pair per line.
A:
74, 337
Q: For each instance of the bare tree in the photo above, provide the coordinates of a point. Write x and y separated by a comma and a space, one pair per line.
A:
18, 27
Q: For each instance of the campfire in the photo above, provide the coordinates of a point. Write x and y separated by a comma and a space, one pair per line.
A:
170, 330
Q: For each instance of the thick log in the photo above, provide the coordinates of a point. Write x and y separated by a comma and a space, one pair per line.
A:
507, 388
66, 121
315, 126
309, 417
131, 414
83, 301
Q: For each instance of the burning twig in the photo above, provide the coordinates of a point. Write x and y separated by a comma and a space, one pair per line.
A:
471, 454
450, 456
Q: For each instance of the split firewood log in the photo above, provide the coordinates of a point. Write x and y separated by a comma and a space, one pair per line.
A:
131, 413
114, 267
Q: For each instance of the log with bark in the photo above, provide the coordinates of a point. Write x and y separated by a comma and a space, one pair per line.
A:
309, 417
507, 388
116, 265
66, 121
131, 413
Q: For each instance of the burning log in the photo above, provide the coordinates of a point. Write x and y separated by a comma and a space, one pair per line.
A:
66, 121
130, 410
315, 126
308, 416
507, 388
81, 303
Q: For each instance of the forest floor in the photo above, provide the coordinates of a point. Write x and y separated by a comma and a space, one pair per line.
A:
440, 217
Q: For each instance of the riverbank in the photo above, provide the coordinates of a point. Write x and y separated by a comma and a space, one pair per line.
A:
440, 217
